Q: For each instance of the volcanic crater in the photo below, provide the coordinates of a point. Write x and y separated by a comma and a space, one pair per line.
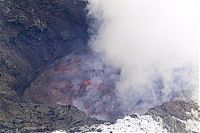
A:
80, 79
49, 77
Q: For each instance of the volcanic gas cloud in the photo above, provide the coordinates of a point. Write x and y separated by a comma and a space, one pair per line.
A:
151, 47
154, 43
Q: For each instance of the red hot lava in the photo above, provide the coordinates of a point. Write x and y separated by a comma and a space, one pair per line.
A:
83, 80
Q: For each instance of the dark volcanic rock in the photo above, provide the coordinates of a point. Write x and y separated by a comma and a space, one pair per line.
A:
177, 109
174, 114
23, 117
33, 33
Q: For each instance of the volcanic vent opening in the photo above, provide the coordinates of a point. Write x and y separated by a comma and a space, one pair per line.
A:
141, 57
81, 79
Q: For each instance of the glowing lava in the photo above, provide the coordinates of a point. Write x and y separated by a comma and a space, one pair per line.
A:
81, 79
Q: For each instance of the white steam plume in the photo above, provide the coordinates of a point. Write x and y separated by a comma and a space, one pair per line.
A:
155, 43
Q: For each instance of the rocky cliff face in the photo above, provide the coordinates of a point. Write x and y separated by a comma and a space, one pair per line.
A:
33, 33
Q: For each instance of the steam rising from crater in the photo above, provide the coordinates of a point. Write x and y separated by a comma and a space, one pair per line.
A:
144, 52
154, 42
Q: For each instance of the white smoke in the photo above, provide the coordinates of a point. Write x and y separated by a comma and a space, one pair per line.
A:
155, 43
